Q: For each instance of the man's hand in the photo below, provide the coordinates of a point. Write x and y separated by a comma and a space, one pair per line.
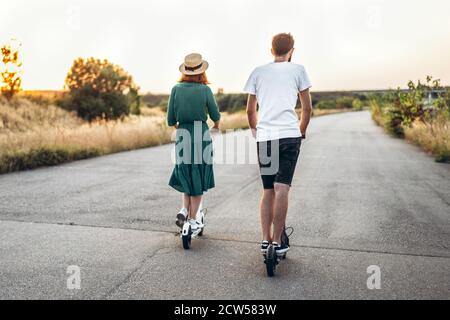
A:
252, 113
305, 100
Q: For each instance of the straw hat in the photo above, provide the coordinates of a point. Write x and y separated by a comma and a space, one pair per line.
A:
193, 64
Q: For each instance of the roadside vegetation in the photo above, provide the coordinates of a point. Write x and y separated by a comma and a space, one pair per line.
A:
33, 135
419, 114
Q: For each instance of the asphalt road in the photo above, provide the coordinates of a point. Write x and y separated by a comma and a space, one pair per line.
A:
359, 198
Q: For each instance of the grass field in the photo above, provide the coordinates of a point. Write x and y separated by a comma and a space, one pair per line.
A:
33, 135
434, 139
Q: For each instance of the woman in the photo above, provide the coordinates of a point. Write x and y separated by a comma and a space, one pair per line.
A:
191, 100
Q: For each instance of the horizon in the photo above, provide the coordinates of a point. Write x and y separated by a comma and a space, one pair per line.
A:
345, 46
236, 92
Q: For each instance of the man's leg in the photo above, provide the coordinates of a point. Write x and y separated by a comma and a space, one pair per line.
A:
280, 210
289, 152
266, 212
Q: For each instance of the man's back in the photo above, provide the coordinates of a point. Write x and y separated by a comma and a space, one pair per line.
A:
276, 86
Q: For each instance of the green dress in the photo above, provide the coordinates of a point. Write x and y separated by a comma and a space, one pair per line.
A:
189, 106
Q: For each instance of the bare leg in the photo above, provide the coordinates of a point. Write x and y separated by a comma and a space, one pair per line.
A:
266, 213
280, 210
195, 204
186, 201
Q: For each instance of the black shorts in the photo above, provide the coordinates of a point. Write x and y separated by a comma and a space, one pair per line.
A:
277, 160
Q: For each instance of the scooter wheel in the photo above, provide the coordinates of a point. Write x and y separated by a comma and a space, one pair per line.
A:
271, 261
186, 241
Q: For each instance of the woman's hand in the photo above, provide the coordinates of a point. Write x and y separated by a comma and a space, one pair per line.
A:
214, 130
215, 127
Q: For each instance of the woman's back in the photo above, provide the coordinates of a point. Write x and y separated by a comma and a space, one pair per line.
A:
191, 101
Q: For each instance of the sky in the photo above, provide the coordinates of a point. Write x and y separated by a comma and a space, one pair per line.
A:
343, 44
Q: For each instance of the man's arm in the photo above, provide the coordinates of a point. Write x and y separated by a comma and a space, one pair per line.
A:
305, 100
252, 115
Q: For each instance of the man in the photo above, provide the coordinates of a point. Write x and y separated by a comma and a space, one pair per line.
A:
275, 88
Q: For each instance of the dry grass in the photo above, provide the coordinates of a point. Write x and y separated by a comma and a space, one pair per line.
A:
31, 132
432, 138
21, 115
230, 121
107, 136
26, 126
377, 113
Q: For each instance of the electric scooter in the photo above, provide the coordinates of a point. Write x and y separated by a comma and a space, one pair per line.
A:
271, 259
187, 234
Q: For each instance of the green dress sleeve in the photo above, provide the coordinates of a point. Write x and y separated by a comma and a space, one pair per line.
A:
211, 104
171, 120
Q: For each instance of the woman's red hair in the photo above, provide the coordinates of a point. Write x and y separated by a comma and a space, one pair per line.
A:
198, 78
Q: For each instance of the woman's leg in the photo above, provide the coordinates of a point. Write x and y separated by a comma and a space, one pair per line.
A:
194, 205
186, 201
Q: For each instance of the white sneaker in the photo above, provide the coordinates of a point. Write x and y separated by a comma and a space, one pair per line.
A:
195, 225
181, 217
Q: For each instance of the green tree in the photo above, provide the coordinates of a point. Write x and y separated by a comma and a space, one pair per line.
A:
100, 89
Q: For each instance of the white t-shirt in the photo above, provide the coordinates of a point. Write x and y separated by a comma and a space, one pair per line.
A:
276, 86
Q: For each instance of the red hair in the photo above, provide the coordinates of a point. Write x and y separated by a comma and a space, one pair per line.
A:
282, 43
198, 78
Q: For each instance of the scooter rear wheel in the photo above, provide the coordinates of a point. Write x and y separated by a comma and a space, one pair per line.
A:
271, 261
204, 211
201, 232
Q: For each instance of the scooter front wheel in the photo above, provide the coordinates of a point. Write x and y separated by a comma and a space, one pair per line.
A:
186, 241
186, 235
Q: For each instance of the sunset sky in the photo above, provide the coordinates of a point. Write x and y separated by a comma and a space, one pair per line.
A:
350, 44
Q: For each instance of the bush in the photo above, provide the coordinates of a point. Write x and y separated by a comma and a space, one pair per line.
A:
357, 104
434, 138
344, 102
231, 102
325, 104
393, 122
100, 89
377, 112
